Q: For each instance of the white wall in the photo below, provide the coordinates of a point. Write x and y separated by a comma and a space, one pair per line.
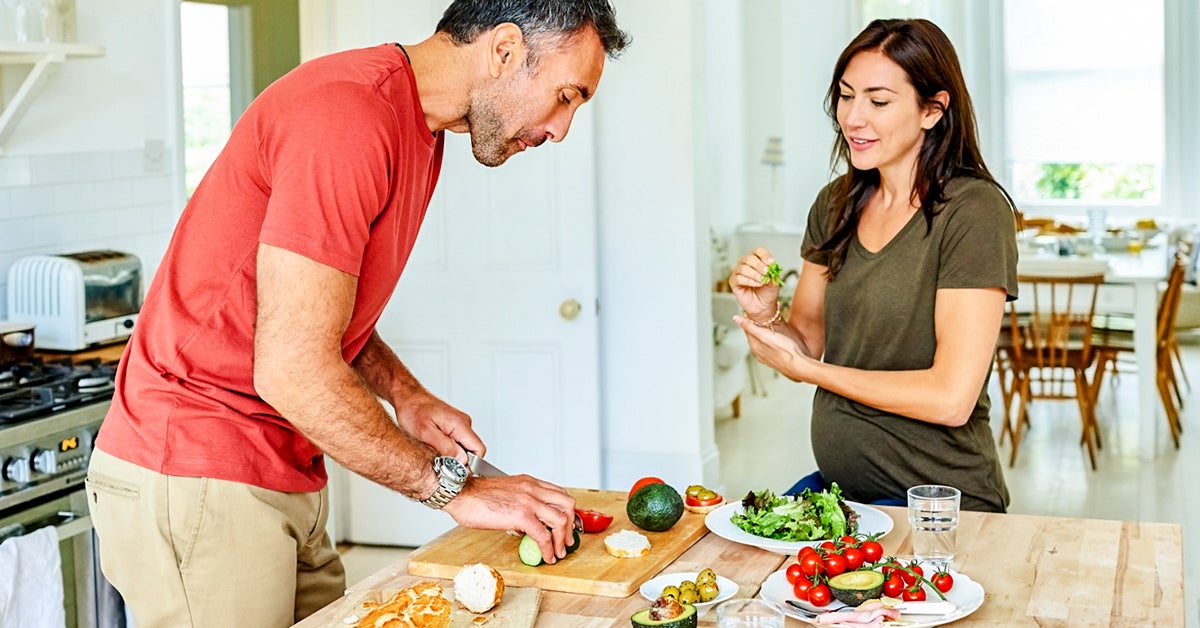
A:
73, 173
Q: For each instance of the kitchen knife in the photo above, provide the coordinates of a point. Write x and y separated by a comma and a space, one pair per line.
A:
485, 469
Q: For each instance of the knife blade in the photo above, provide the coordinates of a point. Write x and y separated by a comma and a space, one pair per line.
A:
485, 469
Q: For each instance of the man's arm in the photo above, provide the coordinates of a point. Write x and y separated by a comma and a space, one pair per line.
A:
304, 309
419, 412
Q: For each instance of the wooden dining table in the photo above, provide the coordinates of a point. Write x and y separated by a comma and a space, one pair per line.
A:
1035, 571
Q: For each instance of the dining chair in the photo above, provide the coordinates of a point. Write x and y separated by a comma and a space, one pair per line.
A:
1051, 350
1109, 342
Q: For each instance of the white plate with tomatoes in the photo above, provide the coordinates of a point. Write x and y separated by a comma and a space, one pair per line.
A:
871, 522
965, 593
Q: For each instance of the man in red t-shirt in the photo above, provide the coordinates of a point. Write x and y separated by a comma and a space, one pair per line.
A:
256, 353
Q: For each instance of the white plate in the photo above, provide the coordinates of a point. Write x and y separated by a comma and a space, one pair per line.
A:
653, 587
870, 521
967, 595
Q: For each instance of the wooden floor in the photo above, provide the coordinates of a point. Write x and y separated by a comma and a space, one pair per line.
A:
768, 447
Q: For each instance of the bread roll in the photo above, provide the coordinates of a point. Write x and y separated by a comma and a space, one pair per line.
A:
627, 544
421, 605
478, 588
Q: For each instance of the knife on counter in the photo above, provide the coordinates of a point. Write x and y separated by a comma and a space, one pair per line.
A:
485, 469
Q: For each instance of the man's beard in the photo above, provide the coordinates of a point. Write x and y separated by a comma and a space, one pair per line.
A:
488, 142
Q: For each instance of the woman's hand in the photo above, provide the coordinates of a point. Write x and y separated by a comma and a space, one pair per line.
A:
758, 299
778, 348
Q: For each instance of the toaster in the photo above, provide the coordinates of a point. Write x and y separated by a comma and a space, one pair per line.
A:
77, 300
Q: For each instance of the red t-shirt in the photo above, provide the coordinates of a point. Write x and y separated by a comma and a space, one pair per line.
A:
334, 161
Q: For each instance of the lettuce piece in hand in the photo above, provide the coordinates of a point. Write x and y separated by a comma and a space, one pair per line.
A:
773, 275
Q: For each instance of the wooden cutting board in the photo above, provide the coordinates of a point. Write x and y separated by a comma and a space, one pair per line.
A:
589, 570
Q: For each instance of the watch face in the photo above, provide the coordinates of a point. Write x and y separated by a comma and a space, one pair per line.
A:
453, 468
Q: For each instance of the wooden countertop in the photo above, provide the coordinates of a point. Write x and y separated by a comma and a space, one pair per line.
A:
107, 353
1035, 571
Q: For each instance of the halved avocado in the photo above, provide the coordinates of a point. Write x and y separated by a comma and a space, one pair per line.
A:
686, 619
855, 587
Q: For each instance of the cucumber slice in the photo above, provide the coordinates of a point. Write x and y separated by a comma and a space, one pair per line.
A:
574, 543
529, 552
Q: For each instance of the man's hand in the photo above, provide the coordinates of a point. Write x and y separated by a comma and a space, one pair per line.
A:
518, 502
439, 425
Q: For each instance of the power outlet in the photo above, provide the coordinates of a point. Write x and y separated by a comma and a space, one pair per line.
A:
154, 156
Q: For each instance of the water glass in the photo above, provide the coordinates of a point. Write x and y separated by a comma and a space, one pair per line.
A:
933, 514
749, 613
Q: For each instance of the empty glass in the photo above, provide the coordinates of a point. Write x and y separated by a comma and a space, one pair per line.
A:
749, 613
933, 514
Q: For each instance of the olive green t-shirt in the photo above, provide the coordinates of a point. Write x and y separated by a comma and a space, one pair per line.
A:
879, 316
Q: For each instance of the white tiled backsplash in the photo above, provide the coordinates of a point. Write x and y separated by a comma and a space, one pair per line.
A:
80, 201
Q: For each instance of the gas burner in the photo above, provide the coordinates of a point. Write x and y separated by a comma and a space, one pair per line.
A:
34, 388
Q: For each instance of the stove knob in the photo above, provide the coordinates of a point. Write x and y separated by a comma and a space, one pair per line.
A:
17, 470
45, 461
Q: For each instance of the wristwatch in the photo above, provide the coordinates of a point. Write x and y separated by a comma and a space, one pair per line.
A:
452, 476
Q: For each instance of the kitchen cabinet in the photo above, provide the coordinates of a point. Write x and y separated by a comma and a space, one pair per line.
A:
43, 59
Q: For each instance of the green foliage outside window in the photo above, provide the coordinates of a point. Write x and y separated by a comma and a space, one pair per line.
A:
1097, 181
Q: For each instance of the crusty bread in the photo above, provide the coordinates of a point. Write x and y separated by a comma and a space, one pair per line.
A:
478, 588
627, 544
421, 605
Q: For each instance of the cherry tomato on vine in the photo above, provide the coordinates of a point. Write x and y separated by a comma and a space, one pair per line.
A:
914, 594
854, 558
943, 581
872, 551
848, 541
828, 546
793, 573
801, 588
819, 595
835, 564
807, 549
893, 586
812, 565
910, 576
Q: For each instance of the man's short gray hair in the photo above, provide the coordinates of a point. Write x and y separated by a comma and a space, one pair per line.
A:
544, 23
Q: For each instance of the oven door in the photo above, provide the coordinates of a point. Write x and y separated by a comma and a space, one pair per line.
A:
68, 513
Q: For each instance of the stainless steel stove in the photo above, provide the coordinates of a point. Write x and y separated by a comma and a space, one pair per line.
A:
50, 412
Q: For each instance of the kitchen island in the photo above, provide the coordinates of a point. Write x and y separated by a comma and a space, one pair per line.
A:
1035, 571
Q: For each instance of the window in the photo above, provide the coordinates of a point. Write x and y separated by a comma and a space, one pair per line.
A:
1085, 102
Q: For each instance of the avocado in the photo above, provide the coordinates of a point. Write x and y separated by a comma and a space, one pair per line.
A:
855, 587
687, 619
655, 507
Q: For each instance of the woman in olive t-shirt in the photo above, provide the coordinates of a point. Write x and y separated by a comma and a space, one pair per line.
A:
909, 259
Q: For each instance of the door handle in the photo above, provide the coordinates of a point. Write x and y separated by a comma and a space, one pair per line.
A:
569, 309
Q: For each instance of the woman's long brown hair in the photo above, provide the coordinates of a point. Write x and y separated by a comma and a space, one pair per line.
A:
950, 148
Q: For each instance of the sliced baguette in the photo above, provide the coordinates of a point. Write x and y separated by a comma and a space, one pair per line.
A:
627, 544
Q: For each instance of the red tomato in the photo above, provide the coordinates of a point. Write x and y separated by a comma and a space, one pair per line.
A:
854, 558
835, 564
872, 551
593, 520
692, 501
943, 581
910, 576
828, 546
644, 481
801, 588
793, 573
888, 569
812, 565
819, 595
893, 586
914, 594
848, 541
807, 549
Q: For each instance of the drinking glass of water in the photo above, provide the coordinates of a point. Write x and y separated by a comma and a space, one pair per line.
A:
749, 613
933, 514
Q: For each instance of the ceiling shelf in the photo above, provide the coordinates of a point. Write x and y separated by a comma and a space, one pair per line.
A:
43, 57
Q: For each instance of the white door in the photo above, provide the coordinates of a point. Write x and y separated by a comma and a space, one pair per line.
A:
478, 318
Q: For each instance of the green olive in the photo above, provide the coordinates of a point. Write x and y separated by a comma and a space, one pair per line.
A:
706, 576
708, 591
671, 591
687, 584
688, 596
694, 490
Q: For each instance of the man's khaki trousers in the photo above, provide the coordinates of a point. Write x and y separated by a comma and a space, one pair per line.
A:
201, 553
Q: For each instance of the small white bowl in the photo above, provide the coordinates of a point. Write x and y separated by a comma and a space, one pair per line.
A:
653, 587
